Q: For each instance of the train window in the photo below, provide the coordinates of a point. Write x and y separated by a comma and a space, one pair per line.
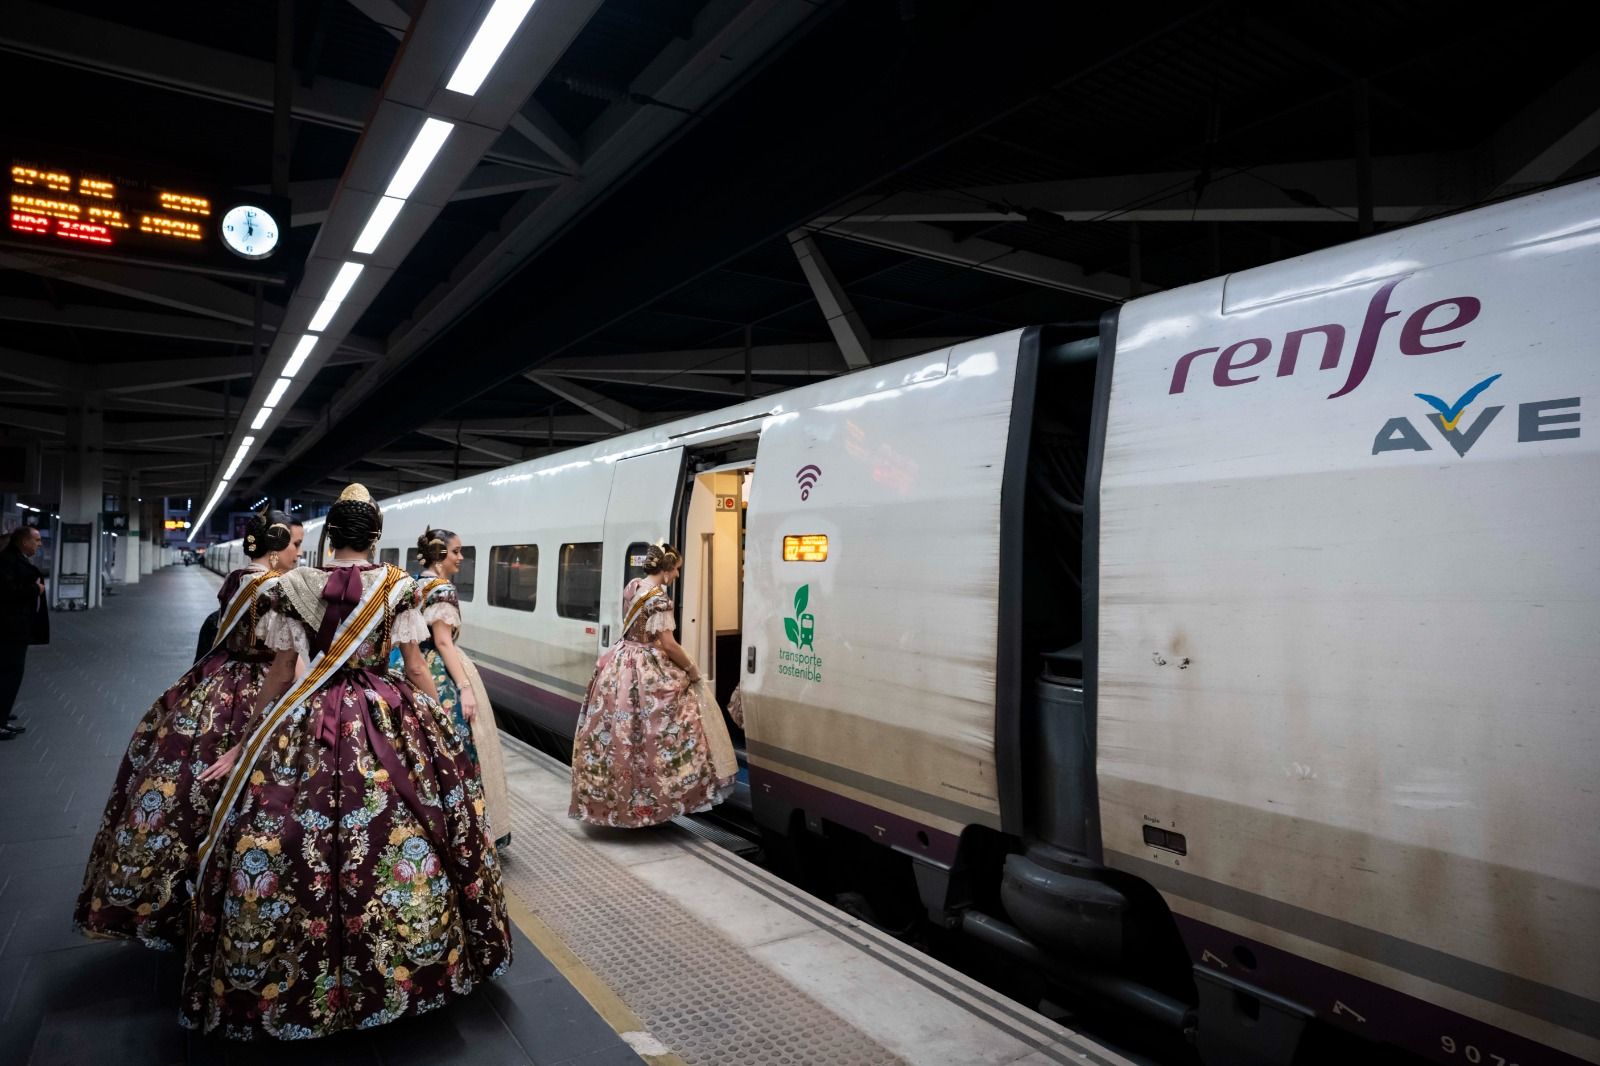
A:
578, 582
468, 574
513, 576
389, 555
633, 562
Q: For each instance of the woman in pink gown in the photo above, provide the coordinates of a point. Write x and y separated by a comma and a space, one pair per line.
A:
642, 755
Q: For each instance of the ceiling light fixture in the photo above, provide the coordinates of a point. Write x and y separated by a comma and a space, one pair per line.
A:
276, 394
222, 487
378, 224
430, 138
499, 26
337, 291
298, 359
261, 418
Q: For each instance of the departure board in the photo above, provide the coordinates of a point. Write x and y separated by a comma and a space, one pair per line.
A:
113, 211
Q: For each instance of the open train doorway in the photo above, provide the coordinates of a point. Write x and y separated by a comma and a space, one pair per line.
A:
711, 589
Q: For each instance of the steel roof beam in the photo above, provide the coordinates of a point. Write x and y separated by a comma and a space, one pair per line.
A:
1550, 136
36, 421
166, 429
817, 360
844, 322
1297, 192
700, 383
40, 371
616, 415
931, 242
506, 453
311, 199
168, 288
562, 427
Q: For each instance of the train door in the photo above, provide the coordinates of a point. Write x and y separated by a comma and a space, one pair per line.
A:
639, 512
711, 606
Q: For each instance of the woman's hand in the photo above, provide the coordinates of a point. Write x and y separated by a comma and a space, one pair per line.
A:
469, 704
222, 766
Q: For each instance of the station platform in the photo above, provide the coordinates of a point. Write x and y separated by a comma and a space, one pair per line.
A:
656, 946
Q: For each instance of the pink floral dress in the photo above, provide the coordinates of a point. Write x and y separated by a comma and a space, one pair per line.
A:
640, 756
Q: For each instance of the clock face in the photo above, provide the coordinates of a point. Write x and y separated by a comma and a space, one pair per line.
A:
250, 232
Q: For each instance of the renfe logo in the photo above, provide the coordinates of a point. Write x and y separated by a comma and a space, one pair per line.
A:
1441, 316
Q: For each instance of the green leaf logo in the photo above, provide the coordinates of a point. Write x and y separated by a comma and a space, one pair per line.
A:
801, 598
792, 628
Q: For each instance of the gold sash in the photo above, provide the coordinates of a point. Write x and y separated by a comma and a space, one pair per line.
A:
240, 605
381, 598
638, 605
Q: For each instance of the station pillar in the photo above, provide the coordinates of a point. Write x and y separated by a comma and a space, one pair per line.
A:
78, 566
130, 547
149, 530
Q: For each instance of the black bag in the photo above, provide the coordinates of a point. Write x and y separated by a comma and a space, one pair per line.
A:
39, 629
208, 635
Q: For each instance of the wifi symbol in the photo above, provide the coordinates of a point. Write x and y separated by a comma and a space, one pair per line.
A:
807, 476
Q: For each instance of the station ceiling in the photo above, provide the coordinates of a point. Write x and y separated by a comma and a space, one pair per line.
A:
646, 190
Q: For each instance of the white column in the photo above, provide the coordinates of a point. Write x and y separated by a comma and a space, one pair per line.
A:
129, 547
82, 498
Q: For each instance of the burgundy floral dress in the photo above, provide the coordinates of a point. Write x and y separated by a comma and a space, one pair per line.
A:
640, 756
354, 882
136, 884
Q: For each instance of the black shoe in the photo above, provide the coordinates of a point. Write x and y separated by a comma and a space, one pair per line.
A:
503, 842
6, 734
14, 729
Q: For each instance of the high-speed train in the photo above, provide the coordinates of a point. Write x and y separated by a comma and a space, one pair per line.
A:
1235, 658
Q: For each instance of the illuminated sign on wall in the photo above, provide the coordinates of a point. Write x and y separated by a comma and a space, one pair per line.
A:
805, 548
110, 210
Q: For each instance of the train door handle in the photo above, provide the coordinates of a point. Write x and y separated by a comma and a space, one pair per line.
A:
605, 636
750, 659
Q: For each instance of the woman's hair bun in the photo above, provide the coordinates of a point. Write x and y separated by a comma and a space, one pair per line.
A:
354, 521
433, 545
662, 557
266, 532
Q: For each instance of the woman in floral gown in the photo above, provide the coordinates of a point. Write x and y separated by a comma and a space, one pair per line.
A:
461, 690
136, 884
348, 878
643, 753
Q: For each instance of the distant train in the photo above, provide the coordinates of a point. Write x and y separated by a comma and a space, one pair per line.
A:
1236, 660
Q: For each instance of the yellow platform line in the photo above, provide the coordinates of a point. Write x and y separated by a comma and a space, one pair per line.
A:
599, 995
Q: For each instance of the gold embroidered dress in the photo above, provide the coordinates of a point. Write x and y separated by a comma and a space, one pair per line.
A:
353, 881
136, 882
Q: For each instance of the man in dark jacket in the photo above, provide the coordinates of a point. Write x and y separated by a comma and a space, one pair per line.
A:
24, 619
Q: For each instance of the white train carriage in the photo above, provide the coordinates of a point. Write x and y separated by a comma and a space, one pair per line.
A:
1235, 661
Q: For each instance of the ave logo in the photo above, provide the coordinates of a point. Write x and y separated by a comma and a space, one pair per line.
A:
1536, 421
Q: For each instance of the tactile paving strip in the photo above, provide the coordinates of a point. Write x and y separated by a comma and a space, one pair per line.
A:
696, 991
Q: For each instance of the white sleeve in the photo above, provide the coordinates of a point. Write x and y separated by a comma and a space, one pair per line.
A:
441, 611
279, 632
409, 628
659, 622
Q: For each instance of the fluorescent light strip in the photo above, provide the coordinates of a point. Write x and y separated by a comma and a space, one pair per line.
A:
298, 359
336, 293
276, 393
499, 26
378, 224
261, 418
430, 138
205, 514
